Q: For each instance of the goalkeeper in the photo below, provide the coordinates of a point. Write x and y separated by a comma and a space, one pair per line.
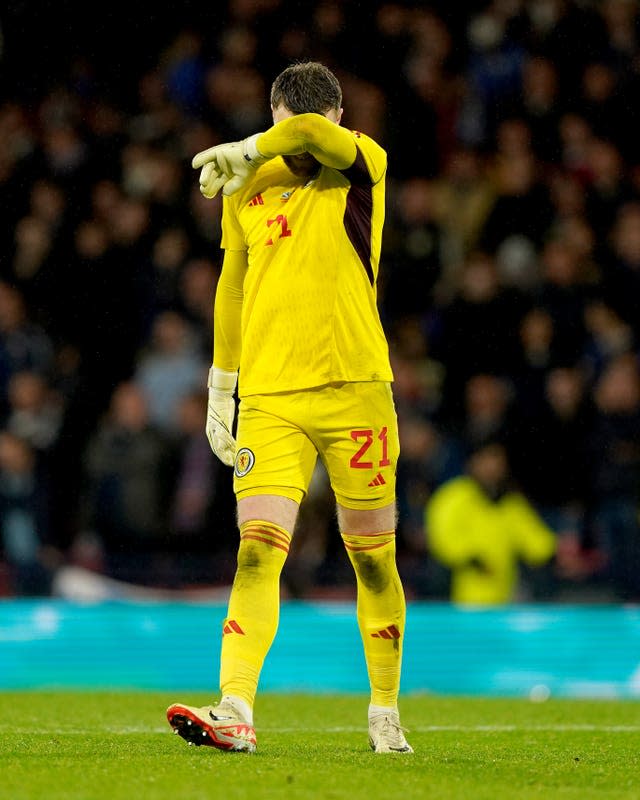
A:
295, 317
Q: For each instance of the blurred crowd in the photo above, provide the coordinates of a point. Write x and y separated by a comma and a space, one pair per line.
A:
509, 283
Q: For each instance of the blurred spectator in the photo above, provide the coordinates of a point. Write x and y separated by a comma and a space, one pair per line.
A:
551, 24
487, 407
600, 103
538, 353
418, 376
196, 291
196, 472
474, 333
607, 337
550, 456
367, 108
614, 459
184, 70
234, 88
31, 260
170, 251
566, 194
205, 222
494, 76
93, 322
522, 205
463, 196
412, 257
575, 142
541, 106
24, 532
481, 528
563, 292
157, 118
608, 185
169, 370
621, 21
128, 468
64, 150
24, 345
201, 521
621, 282
35, 414
430, 458
426, 87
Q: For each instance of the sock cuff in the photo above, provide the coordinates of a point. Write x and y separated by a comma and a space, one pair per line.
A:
358, 542
375, 710
266, 532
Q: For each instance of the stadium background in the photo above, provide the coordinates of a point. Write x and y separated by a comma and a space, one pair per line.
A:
509, 279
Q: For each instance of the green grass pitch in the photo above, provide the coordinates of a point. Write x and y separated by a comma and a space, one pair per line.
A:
117, 746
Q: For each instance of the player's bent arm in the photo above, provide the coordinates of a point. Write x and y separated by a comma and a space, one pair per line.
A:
227, 338
330, 144
228, 167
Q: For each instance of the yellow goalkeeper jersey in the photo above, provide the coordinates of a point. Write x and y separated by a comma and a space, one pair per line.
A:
309, 314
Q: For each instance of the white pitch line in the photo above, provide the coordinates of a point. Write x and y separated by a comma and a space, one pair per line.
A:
345, 729
529, 728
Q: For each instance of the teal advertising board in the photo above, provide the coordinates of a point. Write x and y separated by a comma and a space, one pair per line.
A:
524, 650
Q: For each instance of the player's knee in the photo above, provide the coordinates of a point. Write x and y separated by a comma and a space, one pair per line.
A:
374, 572
263, 549
249, 557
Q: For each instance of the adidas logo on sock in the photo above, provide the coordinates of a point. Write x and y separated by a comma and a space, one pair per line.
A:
390, 632
231, 626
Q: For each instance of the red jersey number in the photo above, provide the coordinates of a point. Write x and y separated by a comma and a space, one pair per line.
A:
367, 435
285, 231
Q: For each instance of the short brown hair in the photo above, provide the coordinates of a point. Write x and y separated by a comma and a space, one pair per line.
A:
308, 87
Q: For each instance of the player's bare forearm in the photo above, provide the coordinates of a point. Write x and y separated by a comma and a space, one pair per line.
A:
330, 144
227, 338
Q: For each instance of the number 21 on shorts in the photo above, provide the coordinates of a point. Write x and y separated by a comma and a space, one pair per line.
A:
368, 437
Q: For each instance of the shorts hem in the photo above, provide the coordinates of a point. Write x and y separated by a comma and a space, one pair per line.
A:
291, 492
365, 503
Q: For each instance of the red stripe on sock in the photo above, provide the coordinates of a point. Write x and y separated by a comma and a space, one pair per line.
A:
356, 547
277, 534
265, 541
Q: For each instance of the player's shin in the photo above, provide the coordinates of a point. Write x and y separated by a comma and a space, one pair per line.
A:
254, 608
381, 611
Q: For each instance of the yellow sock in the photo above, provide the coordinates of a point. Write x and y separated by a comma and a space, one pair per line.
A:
254, 607
381, 611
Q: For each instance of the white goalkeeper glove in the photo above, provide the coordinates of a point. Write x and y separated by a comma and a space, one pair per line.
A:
221, 411
228, 166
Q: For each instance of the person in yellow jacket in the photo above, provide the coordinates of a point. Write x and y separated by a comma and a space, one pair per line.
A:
482, 530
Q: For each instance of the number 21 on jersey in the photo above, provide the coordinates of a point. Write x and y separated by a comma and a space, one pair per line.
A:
368, 437
282, 229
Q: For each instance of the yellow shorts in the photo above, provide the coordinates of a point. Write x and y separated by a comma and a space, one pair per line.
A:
351, 426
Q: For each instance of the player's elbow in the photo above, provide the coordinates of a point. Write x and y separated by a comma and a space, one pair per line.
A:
308, 127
